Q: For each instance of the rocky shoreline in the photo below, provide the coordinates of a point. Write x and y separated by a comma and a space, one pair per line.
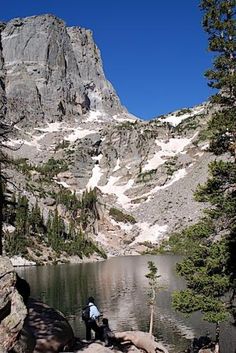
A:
29, 325
19, 261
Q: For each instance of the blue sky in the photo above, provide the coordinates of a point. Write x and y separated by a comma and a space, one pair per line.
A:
154, 51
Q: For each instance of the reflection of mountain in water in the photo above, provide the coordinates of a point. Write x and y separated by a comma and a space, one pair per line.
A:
120, 288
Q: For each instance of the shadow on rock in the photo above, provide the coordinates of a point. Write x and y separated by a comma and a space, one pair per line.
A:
50, 328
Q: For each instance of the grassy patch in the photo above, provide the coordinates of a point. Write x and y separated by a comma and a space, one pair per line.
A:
146, 176
119, 216
52, 167
62, 145
171, 166
183, 111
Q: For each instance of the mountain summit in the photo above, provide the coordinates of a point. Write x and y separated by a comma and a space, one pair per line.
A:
81, 160
54, 73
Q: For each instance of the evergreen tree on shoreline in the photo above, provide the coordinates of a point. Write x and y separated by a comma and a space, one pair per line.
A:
209, 269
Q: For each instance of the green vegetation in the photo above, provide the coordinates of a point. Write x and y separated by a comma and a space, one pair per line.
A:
205, 281
189, 238
127, 125
17, 241
204, 135
119, 216
62, 145
88, 207
210, 267
48, 170
183, 111
89, 199
171, 165
80, 209
73, 243
22, 165
188, 124
28, 222
152, 277
67, 198
144, 177
52, 167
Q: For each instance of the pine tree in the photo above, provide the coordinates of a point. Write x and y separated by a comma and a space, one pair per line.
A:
36, 219
209, 269
55, 230
219, 23
22, 212
153, 286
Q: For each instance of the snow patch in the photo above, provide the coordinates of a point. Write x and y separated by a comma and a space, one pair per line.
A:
118, 190
8, 228
94, 115
33, 143
155, 161
205, 147
79, 134
97, 158
117, 165
124, 226
101, 238
52, 127
21, 261
174, 145
175, 119
179, 174
63, 183
123, 117
168, 149
151, 233
96, 175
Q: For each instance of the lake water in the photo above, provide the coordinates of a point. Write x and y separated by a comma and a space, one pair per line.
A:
120, 288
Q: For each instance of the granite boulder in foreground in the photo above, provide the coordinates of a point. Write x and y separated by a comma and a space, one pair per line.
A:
12, 308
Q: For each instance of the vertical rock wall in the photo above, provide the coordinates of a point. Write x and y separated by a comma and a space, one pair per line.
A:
12, 309
53, 72
101, 94
2, 79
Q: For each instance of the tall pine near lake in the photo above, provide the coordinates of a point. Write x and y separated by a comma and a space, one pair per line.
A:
209, 269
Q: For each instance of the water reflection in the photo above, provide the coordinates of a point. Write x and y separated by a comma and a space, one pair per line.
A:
120, 288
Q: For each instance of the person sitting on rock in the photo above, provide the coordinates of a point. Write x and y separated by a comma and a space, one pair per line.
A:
105, 333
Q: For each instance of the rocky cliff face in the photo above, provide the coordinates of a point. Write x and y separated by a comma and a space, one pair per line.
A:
12, 309
2, 81
146, 170
53, 73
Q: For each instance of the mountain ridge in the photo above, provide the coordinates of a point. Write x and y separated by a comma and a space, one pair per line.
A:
74, 135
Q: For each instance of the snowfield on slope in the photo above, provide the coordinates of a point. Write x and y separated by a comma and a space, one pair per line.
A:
150, 233
175, 118
168, 149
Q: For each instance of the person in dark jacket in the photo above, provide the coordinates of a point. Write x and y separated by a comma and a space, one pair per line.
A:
105, 333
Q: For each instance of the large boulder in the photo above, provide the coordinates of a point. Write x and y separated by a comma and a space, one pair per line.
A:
12, 308
128, 342
97, 348
141, 340
28, 325
50, 328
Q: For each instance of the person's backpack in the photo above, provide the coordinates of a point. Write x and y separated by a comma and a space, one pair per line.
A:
86, 313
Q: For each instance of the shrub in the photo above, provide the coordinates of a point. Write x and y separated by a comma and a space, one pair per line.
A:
52, 167
119, 216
